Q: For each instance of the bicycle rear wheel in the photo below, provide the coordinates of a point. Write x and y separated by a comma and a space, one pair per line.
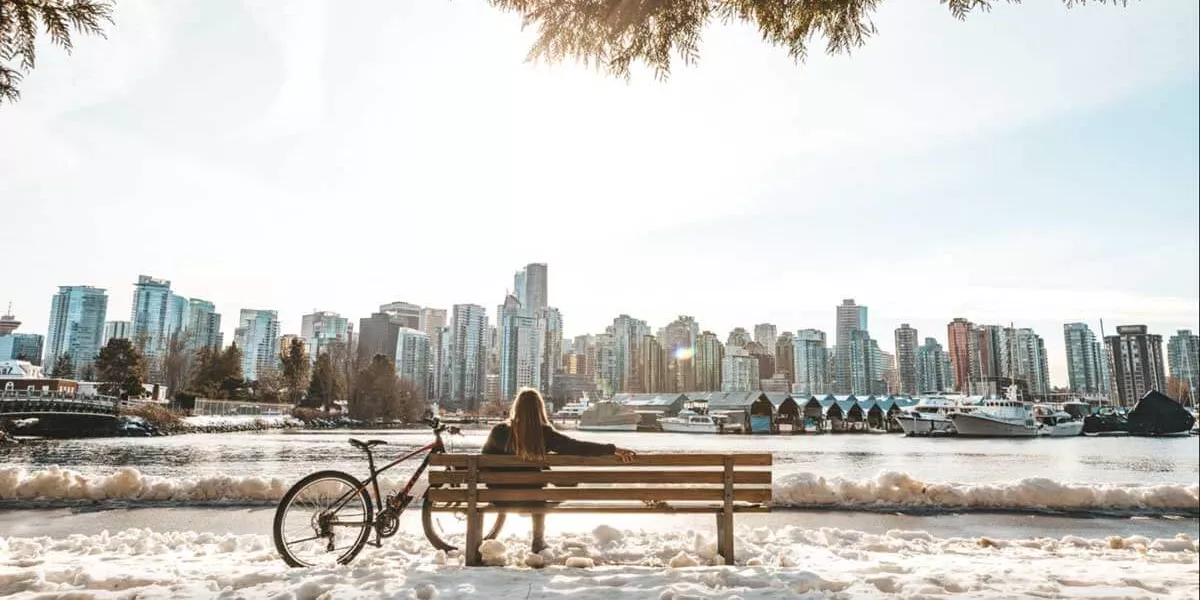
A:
324, 519
446, 528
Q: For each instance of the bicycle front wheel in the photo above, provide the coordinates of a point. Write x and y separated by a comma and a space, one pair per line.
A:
325, 519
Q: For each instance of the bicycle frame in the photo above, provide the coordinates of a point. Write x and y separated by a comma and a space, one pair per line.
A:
434, 447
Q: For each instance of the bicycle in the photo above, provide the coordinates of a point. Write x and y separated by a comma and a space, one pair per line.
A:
337, 499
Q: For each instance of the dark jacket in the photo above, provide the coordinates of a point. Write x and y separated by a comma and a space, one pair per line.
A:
497, 443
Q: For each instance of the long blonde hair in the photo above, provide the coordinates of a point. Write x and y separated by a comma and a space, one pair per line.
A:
526, 419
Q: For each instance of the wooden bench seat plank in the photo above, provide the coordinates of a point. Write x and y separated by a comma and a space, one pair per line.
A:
612, 494
647, 460
583, 477
582, 507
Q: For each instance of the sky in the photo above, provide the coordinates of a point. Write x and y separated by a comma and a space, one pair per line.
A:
1032, 165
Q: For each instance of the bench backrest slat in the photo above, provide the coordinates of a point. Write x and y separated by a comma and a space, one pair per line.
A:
597, 476
685, 494
642, 460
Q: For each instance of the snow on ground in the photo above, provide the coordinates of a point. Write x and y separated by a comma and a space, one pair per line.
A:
888, 490
607, 563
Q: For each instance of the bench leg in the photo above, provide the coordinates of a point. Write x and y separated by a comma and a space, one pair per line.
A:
474, 538
725, 536
539, 532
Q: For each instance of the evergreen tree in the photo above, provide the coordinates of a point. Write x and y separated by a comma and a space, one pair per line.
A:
325, 386
64, 367
121, 368
22, 20
294, 367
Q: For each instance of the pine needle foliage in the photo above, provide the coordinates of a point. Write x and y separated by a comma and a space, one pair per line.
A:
21, 22
613, 35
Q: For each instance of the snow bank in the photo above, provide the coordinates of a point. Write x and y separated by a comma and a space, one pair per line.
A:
887, 491
891, 490
238, 422
788, 562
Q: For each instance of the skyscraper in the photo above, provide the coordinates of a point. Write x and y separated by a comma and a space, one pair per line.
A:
811, 362
678, 340
537, 287
785, 356
76, 325
405, 314
433, 323
739, 371
709, 353
551, 328
1031, 362
468, 355
958, 335
738, 338
18, 346
627, 335
1183, 356
1137, 362
520, 349
412, 359
933, 368
650, 365
603, 355
257, 335
851, 369
906, 359
152, 319
115, 329
1083, 359
322, 328
204, 326
764, 334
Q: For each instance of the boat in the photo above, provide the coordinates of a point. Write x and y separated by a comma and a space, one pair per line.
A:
1054, 421
572, 410
609, 416
691, 422
997, 417
928, 416
1158, 414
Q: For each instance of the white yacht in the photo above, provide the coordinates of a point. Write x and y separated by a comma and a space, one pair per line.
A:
573, 410
997, 417
609, 416
929, 416
1053, 421
691, 422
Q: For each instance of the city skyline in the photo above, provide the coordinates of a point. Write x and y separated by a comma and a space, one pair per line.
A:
427, 318
852, 177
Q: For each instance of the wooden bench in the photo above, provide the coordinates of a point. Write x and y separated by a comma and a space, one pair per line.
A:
721, 484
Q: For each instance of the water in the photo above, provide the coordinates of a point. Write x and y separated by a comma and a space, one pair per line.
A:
291, 454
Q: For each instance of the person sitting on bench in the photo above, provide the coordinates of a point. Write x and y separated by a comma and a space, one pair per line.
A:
528, 434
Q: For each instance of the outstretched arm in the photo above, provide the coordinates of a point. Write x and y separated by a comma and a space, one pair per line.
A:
561, 444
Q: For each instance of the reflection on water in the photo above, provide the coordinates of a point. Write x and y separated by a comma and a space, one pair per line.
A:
292, 454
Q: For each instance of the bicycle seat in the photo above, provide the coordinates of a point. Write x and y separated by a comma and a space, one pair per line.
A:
367, 444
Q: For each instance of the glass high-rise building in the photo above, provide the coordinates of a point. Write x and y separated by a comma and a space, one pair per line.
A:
76, 325
906, 359
1183, 358
850, 372
203, 326
1084, 373
322, 328
468, 355
520, 349
152, 321
412, 359
934, 373
257, 335
810, 362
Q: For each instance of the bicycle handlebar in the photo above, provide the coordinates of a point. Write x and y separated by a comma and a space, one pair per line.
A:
437, 426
